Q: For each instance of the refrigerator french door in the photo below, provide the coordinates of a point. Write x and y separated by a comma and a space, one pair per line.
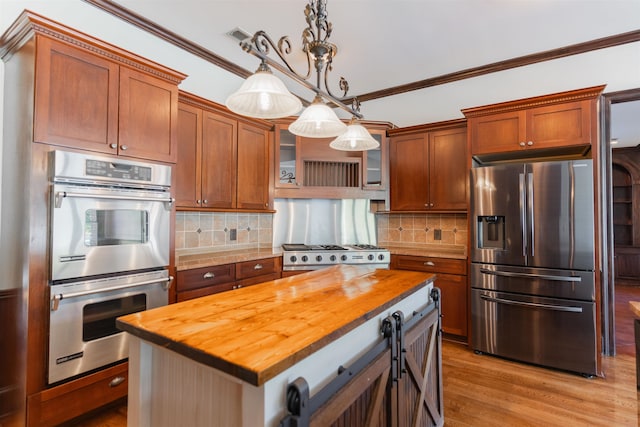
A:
532, 272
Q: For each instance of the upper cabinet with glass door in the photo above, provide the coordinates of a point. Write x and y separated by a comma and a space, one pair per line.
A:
308, 167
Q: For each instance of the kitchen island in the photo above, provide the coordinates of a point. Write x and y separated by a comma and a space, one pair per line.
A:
227, 359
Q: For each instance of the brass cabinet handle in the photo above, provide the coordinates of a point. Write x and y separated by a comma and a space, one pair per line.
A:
209, 275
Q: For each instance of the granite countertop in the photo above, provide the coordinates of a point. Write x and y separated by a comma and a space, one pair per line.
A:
435, 251
257, 332
188, 259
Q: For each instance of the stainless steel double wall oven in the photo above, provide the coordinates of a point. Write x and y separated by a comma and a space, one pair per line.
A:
109, 249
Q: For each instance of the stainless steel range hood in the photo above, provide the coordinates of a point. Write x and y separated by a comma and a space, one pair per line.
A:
323, 221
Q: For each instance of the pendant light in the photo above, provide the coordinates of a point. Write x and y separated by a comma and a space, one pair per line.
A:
264, 96
355, 138
317, 121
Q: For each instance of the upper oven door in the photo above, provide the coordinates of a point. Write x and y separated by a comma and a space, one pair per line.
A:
99, 230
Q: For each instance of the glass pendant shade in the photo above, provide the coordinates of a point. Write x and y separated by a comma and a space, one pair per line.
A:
263, 96
317, 121
356, 138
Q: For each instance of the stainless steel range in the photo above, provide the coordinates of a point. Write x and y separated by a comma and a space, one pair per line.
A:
299, 256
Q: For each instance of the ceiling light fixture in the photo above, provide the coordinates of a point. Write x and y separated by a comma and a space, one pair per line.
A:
266, 99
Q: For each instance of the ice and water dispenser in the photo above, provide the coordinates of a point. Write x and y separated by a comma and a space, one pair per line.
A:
490, 232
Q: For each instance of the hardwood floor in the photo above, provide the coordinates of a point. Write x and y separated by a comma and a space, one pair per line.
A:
482, 390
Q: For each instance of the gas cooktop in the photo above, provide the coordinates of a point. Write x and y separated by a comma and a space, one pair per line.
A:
299, 256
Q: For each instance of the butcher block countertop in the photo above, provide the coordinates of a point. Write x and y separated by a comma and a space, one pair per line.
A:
254, 333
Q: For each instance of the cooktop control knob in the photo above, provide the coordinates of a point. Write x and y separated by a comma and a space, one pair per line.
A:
381, 257
343, 257
319, 258
293, 258
305, 258
332, 257
371, 257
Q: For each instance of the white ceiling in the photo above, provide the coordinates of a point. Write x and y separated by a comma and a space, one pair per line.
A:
385, 43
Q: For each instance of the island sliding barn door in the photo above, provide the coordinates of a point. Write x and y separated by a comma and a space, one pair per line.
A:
400, 386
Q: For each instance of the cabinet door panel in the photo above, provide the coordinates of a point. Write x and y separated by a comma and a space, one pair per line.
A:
497, 133
76, 98
253, 168
453, 289
448, 171
409, 181
188, 164
219, 159
148, 116
559, 125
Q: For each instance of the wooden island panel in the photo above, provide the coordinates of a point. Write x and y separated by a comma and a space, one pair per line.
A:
255, 333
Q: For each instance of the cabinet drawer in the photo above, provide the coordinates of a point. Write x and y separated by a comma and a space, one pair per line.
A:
430, 264
58, 404
257, 279
207, 290
247, 269
204, 277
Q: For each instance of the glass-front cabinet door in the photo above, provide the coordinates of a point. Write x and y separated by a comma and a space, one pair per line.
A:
374, 162
286, 157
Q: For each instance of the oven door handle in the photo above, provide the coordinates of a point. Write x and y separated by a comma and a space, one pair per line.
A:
570, 309
56, 298
61, 195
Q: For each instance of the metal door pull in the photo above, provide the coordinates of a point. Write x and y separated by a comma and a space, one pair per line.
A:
532, 304
531, 276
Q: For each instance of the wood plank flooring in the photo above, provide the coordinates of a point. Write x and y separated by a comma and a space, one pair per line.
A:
482, 390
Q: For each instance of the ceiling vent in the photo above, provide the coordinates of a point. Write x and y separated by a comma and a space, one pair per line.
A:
238, 34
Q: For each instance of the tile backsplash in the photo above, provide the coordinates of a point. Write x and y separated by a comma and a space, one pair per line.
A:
422, 229
212, 230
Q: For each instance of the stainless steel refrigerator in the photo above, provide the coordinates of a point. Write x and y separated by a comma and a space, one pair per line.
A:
532, 271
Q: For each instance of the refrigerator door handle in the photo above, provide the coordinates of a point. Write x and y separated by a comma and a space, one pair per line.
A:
532, 226
531, 276
532, 304
523, 218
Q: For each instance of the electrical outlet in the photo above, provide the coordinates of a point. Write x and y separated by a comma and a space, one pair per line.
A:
437, 234
233, 234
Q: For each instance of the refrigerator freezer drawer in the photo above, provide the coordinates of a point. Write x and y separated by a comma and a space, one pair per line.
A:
544, 282
551, 332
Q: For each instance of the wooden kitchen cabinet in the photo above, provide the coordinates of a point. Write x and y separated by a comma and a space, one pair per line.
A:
428, 167
223, 162
198, 282
67, 90
567, 120
309, 167
451, 278
91, 102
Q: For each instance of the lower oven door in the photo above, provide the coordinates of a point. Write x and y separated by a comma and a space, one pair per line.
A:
82, 321
553, 332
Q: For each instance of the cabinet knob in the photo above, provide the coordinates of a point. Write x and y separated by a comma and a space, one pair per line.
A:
114, 146
530, 143
199, 201
257, 267
429, 264
208, 275
205, 201
430, 205
522, 144
124, 147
